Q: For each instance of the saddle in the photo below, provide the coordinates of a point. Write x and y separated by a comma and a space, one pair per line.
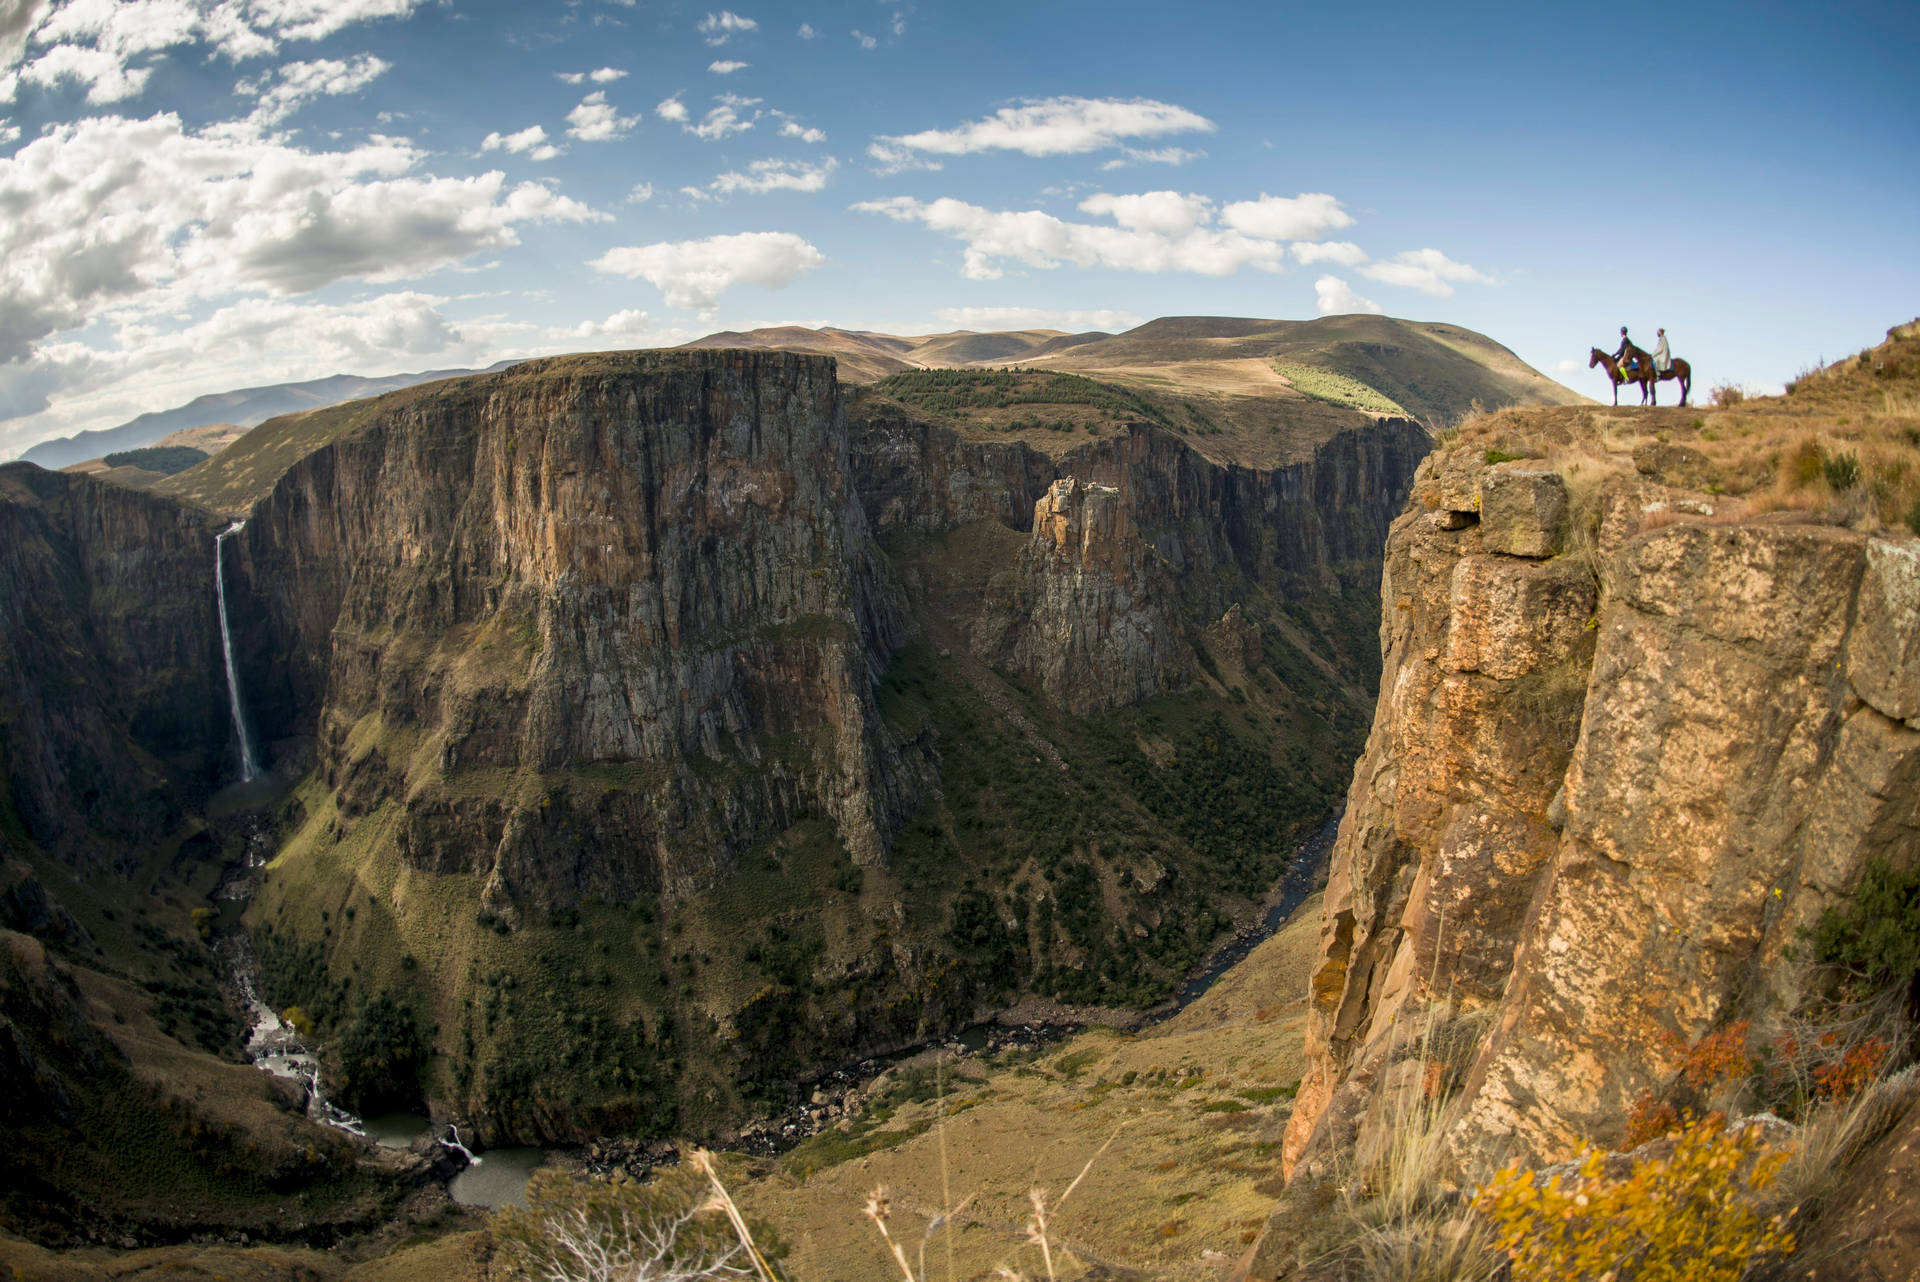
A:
1636, 360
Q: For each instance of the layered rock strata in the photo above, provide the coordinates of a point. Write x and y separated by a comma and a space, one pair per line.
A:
647, 564
1607, 786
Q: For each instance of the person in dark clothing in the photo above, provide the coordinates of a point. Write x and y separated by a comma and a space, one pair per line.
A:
1627, 352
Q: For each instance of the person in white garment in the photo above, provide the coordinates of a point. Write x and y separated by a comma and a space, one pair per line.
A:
1662, 354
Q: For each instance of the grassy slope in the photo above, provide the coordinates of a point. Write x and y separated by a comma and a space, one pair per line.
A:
1198, 1104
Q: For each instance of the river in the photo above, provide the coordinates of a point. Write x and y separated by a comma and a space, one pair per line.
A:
498, 1177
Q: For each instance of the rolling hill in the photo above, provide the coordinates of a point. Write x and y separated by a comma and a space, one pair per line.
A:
245, 407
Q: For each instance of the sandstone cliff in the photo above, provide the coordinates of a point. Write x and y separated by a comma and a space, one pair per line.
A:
1630, 741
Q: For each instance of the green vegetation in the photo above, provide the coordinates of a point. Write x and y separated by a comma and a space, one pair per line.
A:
995, 399
381, 1054
1337, 389
1875, 939
165, 459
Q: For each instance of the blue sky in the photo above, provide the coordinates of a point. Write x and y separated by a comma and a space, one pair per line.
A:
203, 194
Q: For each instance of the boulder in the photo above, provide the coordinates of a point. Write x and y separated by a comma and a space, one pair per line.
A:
1523, 509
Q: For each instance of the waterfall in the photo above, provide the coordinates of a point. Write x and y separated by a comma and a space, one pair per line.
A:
249, 764
457, 1146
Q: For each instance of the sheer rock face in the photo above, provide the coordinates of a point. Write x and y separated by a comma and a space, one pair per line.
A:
112, 692
913, 476
1144, 548
593, 625
1603, 818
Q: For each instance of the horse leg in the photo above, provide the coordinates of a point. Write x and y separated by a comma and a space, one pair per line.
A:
1653, 389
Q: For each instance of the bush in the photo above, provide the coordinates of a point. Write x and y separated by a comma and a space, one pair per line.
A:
1875, 940
1686, 1216
1842, 471
1727, 395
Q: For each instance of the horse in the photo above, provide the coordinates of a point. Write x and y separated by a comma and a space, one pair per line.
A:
1642, 374
1679, 369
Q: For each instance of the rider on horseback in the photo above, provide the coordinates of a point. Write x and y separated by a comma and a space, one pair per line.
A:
1627, 354
1662, 355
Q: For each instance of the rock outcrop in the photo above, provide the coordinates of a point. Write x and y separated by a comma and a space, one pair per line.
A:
1145, 543
1603, 794
1090, 617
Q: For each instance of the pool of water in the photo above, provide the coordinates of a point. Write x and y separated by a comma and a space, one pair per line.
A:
397, 1130
498, 1178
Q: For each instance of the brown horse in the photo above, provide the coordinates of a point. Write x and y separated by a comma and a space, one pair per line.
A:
1642, 374
1679, 369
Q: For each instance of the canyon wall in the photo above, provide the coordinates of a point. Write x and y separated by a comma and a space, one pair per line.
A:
1620, 760
112, 696
645, 563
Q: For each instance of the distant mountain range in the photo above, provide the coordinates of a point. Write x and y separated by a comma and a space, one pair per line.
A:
245, 408
1435, 372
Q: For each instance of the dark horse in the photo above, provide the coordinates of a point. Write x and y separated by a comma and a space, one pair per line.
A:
1644, 375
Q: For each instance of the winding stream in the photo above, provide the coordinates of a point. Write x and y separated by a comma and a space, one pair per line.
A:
499, 1177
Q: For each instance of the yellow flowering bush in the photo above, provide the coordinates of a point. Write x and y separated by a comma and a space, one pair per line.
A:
1687, 1217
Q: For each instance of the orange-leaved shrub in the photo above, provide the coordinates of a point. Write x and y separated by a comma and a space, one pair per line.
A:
1687, 1217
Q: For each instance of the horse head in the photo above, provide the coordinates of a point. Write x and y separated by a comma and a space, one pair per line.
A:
1597, 357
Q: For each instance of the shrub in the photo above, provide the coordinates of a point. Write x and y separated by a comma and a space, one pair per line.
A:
1842, 471
1875, 940
1727, 395
1686, 1216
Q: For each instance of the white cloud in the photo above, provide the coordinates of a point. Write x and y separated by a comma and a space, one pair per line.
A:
1335, 297
1427, 270
19, 17
67, 387
630, 327
1308, 216
1072, 321
763, 176
641, 194
9, 134
595, 120
807, 32
111, 213
864, 40
794, 129
1166, 212
694, 273
289, 87
606, 75
1049, 127
526, 140
1175, 156
1343, 252
1157, 232
112, 46
671, 109
727, 66
725, 118
721, 27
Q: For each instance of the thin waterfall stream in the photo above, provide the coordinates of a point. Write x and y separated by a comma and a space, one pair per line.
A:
249, 763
